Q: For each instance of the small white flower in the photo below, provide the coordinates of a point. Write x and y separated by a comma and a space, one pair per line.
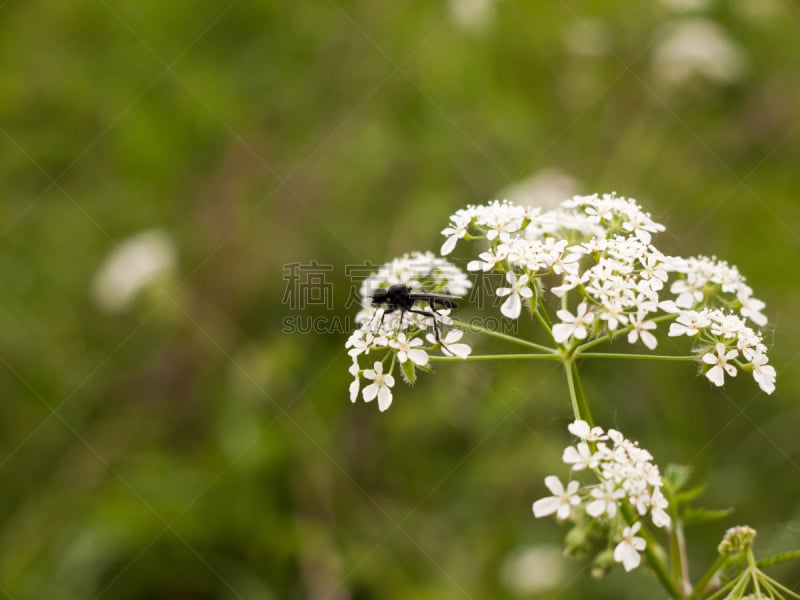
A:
572, 326
688, 323
561, 502
455, 232
580, 457
581, 429
460, 350
605, 500
519, 289
658, 512
355, 385
763, 373
751, 308
627, 551
641, 329
381, 386
488, 260
407, 350
716, 374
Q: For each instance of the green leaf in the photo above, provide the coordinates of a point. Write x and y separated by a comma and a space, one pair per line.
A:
695, 516
408, 371
689, 495
677, 476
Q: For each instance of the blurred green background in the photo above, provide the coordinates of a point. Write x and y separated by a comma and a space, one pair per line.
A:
183, 445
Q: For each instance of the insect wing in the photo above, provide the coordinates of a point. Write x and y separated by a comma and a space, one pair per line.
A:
445, 300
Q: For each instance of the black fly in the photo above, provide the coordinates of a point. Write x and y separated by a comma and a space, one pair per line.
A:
403, 298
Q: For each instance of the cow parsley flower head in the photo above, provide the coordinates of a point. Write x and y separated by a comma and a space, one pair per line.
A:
595, 256
402, 338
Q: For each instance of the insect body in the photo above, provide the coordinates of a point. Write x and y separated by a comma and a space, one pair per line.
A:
403, 298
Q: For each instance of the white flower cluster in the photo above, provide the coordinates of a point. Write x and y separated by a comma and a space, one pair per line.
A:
723, 338
402, 335
626, 475
599, 249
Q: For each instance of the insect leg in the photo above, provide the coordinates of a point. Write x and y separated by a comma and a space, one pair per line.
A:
436, 332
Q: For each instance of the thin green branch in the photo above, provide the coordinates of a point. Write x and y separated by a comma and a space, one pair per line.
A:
687, 358
702, 584
778, 559
495, 357
502, 336
573, 394
583, 405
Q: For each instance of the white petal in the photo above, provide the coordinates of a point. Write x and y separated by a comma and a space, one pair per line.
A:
579, 428
511, 307
418, 357
660, 517
449, 245
562, 332
370, 392
354, 388
709, 359
716, 375
649, 340
596, 508
563, 512
460, 350
546, 506
554, 484
627, 555
384, 398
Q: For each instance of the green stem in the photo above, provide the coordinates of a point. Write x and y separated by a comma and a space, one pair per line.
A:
634, 356
702, 584
495, 357
573, 395
583, 405
503, 336
778, 559
679, 560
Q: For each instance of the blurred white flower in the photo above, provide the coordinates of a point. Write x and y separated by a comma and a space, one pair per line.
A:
533, 569
687, 5
586, 37
472, 14
135, 264
698, 47
545, 189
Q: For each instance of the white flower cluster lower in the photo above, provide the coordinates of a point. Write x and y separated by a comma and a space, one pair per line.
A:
626, 476
403, 338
